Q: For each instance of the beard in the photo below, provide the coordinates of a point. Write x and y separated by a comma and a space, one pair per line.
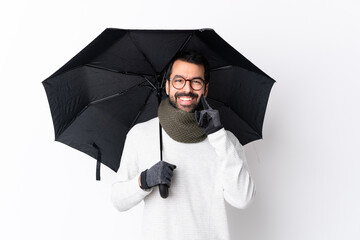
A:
191, 108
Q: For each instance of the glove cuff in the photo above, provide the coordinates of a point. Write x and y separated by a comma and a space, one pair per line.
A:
143, 180
215, 129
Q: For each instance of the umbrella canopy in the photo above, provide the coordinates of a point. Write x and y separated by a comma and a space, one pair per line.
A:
118, 79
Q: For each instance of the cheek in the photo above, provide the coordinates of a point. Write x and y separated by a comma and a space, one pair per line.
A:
202, 92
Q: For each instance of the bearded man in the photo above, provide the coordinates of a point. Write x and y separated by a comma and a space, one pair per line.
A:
204, 164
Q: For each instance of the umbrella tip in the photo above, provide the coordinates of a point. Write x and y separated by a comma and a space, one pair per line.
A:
206, 29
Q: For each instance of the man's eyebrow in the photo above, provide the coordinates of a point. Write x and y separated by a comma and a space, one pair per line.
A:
178, 76
189, 79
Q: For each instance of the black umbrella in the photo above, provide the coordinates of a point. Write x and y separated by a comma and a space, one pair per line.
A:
117, 81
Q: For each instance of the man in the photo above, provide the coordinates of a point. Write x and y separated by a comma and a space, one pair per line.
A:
204, 165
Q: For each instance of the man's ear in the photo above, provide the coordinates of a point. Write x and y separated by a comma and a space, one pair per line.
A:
167, 87
206, 90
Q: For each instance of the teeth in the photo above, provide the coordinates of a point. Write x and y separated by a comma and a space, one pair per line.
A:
185, 98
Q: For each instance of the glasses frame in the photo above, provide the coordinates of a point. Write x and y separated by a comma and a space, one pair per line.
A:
186, 80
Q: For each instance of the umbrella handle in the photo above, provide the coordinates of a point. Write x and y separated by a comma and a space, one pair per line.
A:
164, 190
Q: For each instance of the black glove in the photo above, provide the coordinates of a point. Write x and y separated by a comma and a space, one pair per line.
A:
160, 173
208, 118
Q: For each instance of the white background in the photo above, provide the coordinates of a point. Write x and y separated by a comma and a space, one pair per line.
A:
306, 167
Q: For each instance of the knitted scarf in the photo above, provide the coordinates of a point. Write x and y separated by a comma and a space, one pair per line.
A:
179, 125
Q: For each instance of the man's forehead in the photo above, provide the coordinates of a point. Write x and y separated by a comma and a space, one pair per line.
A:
186, 69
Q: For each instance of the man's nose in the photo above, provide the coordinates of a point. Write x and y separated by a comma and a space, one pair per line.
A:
187, 87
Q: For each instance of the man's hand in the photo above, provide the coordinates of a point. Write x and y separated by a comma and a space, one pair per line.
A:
208, 118
160, 173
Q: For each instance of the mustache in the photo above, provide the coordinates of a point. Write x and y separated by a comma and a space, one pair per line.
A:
190, 94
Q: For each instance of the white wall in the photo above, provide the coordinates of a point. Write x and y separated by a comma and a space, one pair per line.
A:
305, 168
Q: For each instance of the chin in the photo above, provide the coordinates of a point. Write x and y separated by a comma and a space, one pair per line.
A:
190, 108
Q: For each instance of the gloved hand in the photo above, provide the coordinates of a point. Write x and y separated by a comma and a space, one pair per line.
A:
160, 173
208, 118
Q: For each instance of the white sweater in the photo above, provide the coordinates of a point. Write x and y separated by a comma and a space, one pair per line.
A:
206, 174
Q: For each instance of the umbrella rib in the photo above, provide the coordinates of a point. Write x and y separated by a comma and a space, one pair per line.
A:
234, 113
149, 82
117, 71
141, 110
137, 47
101, 68
230, 66
179, 50
95, 102
112, 96
185, 42
104, 99
221, 68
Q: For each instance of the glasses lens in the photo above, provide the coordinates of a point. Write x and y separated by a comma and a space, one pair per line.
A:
178, 82
197, 84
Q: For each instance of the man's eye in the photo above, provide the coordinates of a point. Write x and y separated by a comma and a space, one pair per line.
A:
178, 80
196, 81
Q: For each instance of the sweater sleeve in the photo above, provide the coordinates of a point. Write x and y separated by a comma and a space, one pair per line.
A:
126, 192
238, 186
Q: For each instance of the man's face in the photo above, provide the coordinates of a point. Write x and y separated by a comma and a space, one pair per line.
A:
186, 98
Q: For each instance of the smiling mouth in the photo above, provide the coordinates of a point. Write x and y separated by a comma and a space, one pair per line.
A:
186, 101
186, 98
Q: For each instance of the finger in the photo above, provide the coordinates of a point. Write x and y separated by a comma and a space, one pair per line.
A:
167, 183
169, 174
205, 118
172, 167
204, 103
203, 122
166, 164
197, 116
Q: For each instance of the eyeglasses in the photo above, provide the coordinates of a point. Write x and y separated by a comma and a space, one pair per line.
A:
179, 82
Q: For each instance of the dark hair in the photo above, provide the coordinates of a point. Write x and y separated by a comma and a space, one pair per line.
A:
190, 56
